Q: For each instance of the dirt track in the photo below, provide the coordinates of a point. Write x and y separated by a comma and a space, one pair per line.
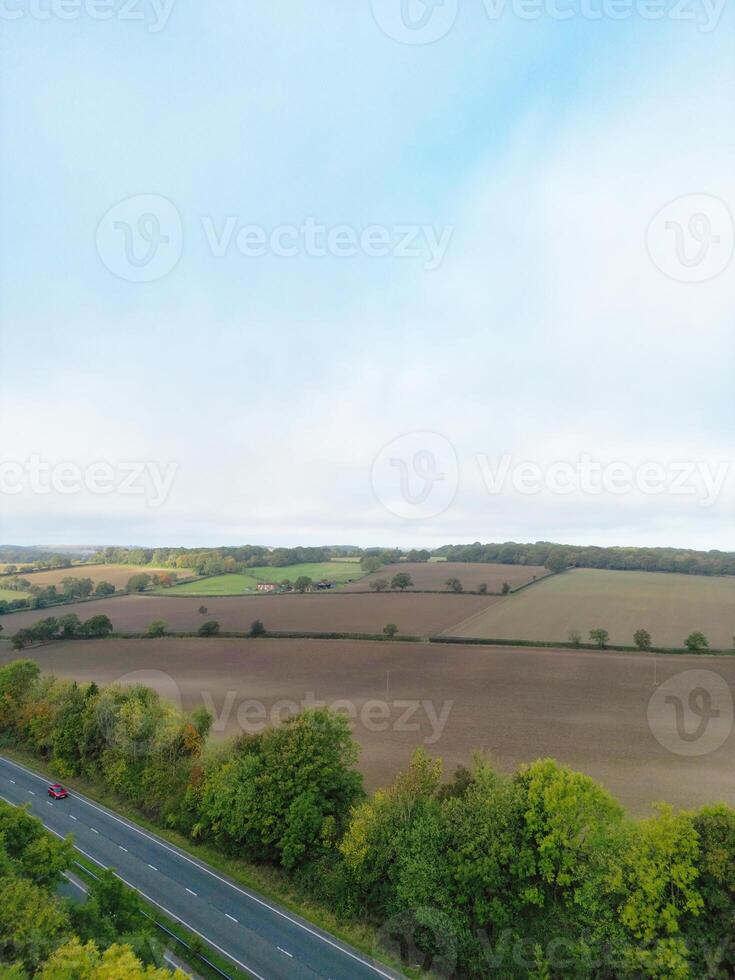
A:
587, 709
421, 615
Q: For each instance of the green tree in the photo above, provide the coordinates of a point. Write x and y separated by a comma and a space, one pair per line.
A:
642, 639
208, 628
600, 637
505, 589
390, 630
285, 794
575, 638
32, 923
557, 562
401, 581
379, 584
696, 642
139, 582
371, 563
157, 628
74, 961
454, 585
482, 588
22, 639
97, 626
302, 583
70, 625
257, 628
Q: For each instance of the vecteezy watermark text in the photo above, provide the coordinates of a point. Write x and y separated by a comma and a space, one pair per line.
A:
372, 715
592, 477
154, 13
319, 241
35, 475
425, 21
141, 239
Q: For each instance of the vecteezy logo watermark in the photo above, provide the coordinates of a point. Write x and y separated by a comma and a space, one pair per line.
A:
416, 476
424, 21
423, 938
691, 713
141, 238
129, 478
316, 240
692, 239
591, 477
415, 21
154, 13
132, 730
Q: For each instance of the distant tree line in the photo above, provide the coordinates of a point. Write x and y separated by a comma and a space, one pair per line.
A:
538, 874
623, 559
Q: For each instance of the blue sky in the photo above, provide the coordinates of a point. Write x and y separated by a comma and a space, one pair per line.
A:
271, 384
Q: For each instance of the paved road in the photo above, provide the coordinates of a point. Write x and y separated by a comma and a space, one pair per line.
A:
266, 941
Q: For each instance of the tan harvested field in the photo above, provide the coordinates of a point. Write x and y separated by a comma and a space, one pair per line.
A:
421, 615
433, 575
589, 710
117, 575
670, 607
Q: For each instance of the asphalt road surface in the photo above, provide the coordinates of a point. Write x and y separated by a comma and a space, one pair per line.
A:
256, 935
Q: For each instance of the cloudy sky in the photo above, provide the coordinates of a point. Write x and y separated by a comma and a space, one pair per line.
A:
367, 273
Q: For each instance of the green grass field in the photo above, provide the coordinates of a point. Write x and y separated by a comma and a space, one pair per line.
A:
339, 572
9, 594
669, 606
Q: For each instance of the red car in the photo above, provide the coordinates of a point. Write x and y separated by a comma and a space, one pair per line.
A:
57, 792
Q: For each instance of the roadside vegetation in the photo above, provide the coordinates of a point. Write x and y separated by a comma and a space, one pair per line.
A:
48, 937
536, 874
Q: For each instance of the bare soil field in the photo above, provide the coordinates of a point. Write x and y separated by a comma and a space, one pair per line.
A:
669, 606
420, 615
117, 575
590, 710
433, 575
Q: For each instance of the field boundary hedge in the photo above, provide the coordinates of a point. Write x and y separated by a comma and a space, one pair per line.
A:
566, 645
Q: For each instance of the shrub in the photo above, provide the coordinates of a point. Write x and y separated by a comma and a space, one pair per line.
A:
157, 627
390, 630
257, 628
210, 628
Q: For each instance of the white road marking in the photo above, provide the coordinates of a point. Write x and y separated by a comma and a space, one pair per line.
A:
282, 950
213, 874
94, 830
12, 781
49, 803
72, 817
230, 916
191, 892
152, 868
123, 848
31, 792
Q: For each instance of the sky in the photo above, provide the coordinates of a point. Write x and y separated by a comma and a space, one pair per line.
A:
367, 273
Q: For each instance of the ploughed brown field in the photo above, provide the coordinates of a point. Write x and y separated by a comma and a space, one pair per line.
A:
421, 615
434, 574
670, 607
117, 575
593, 711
